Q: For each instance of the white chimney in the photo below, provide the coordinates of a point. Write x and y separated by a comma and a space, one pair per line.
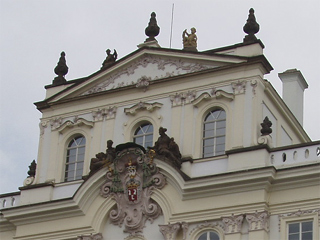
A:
293, 87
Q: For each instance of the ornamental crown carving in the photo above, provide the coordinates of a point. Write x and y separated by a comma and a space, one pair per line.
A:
131, 180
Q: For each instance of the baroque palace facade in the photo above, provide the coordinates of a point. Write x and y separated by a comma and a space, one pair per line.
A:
171, 144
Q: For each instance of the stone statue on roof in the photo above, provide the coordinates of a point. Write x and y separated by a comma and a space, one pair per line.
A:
190, 40
110, 59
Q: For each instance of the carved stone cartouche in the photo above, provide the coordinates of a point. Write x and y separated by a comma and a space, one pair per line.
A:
266, 127
131, 183
110, 59
153, 29
251, 27
61, 70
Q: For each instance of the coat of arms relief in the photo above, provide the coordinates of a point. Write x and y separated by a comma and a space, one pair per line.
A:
130, 180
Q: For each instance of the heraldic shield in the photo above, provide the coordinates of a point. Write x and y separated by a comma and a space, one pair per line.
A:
130, 181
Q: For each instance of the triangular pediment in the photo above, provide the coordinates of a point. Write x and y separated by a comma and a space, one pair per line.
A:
145, 66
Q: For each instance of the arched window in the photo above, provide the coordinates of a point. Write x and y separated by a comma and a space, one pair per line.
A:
144, 135
209, 236
75, 159
214, 133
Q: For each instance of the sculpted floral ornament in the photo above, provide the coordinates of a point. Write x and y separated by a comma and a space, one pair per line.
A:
182, 98
130, 182
175, 67
143, 83
56, 123
104, 113
258, 221
239, 87
42, 125
232, 224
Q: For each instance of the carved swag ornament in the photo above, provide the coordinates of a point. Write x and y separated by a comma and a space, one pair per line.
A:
130, 182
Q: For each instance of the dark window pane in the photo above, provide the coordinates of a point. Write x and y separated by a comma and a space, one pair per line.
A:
215, 114
208, 133
138, 140
214, 236
72, 143
307, 236
70, 174
294, 227
220, 150
222, 115
138, 131
209, 117
71, 159
150, 130
220, 140
149, 138
220, 132
208, 126
207, 152
306, 226
294, 236
221, 124
70, 167
208, 142
78, 140
203, 237
144, 128
81, 150
80, 157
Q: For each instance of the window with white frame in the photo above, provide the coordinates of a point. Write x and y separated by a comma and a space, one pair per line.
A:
144, 135
300, 230
75, 158
214, 133
209, 236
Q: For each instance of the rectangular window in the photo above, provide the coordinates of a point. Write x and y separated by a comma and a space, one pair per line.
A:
300, 231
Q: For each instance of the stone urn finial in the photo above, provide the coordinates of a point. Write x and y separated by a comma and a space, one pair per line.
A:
266, 127
251, 27
153, 29
61, 70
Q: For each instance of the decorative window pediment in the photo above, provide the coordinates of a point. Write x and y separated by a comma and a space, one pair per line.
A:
142, 106
219, 94
77, 122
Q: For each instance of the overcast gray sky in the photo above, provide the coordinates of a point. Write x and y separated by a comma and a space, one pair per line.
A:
33, 33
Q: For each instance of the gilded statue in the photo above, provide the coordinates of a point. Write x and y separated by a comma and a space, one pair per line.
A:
190, 40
